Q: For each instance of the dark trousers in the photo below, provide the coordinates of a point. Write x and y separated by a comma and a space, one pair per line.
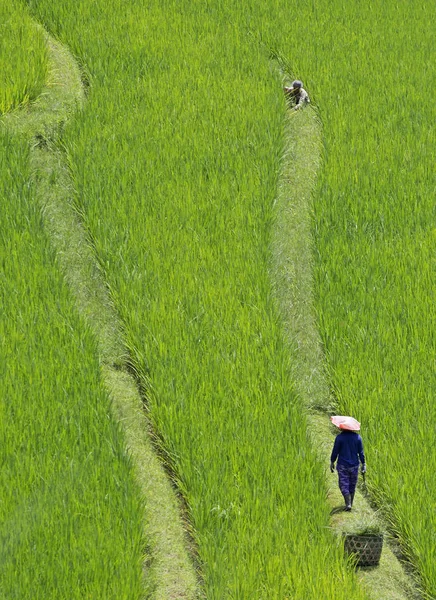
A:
347, 479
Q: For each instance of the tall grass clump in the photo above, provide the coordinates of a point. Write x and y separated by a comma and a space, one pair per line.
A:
70, 512
176, 160
23, 56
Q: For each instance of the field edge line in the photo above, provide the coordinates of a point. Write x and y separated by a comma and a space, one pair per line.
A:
169, 562
292, 275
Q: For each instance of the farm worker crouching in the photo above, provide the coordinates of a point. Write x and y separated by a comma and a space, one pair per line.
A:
348, 449
296, 95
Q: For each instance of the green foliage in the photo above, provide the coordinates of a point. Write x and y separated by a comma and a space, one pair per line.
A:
175, 159
23, 56
69, 509
175, 162
364, 526
375, 243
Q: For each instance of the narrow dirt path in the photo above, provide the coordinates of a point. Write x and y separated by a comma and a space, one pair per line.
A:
168, 566
292, 275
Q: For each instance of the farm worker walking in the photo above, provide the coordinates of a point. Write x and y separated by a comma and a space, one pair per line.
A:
348, 449
296, 95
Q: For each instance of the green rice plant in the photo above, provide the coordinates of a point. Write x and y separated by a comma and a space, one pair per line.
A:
369, 71
23, 57
70, 511
175, 161
177, 185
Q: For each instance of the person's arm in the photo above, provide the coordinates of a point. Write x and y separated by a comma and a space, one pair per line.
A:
362, 456
361, 453
334, 454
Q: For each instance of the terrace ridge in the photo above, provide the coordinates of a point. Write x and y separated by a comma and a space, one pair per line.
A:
168, 566
292, 265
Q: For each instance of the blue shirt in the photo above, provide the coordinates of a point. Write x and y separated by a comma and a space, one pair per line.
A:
348, 449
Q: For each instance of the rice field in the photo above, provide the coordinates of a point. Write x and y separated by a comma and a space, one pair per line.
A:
23, 57
70, 512
375, 261
176, 160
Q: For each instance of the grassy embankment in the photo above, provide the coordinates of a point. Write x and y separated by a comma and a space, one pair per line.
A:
167, 570
293, 277
370, 73
181, 224
69, 506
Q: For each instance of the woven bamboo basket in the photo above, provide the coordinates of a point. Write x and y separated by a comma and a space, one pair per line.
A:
366, 548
